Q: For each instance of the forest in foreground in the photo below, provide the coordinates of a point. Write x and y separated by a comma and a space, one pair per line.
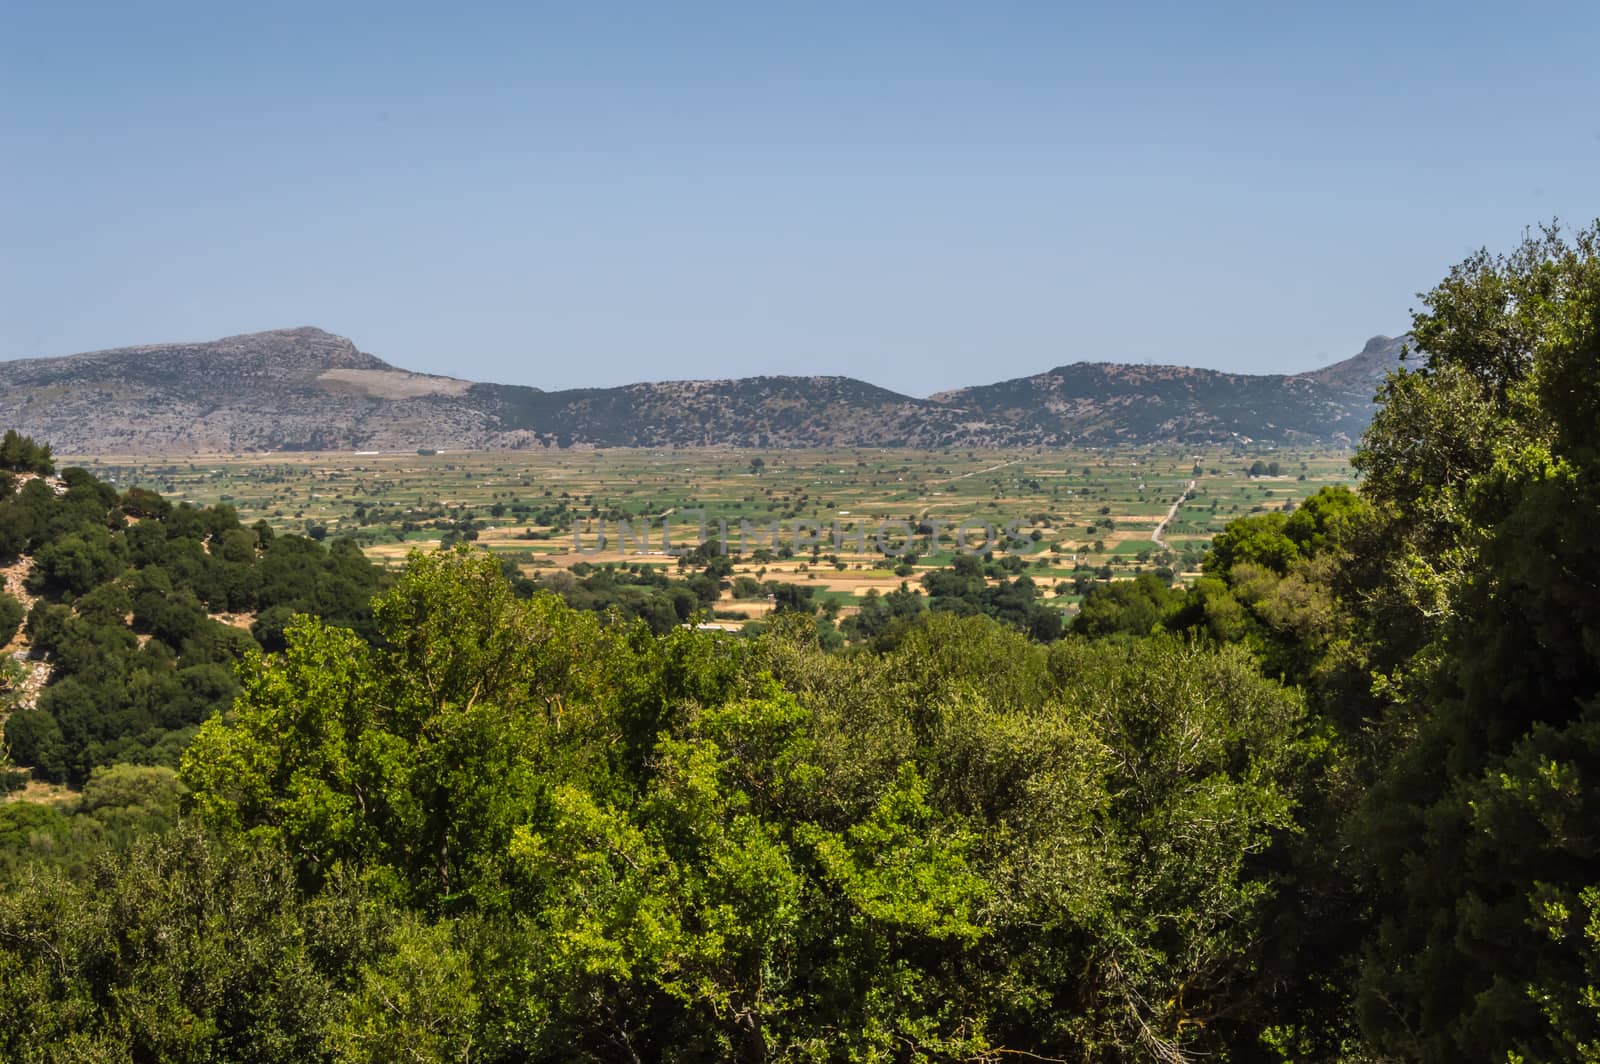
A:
1337, 801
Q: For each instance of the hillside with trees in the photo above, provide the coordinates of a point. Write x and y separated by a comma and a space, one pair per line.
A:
1335, 801
128, 616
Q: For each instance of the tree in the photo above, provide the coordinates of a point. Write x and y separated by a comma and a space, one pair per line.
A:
1327, 520
20, 454
1261, 539
75, 564
35, 740
1485, 464
1135, 607
793, 598
125, 802
141, 502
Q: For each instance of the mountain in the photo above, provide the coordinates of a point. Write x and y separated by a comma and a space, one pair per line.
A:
305, 389
1104, 403
290, 389
1381, 354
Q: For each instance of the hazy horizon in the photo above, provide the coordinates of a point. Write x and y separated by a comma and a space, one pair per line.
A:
923, 197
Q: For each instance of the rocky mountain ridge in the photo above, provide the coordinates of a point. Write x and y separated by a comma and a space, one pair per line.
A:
306, 389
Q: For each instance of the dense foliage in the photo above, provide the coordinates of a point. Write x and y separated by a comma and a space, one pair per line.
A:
128, 590
560, 837
1478, 834
1335, 801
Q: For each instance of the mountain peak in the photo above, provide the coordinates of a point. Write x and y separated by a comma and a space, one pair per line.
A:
306, 347
303, 349
1363, 371
309, 333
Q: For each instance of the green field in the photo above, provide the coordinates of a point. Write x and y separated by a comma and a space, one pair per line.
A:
1080, 510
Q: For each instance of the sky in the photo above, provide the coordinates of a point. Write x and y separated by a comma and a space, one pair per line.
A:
923, 195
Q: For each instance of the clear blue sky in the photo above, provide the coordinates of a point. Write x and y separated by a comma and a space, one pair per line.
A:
922, 194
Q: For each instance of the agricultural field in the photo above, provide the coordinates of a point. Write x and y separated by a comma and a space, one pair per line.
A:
1075, 514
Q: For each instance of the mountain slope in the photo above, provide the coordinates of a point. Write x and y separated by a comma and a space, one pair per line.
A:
298, 389
1359, 373
752, 411
285, 389
1102, 403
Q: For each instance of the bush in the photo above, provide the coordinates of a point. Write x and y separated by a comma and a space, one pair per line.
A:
11, 614
35, 740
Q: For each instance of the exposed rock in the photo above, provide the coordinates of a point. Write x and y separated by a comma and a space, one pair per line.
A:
305, 389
